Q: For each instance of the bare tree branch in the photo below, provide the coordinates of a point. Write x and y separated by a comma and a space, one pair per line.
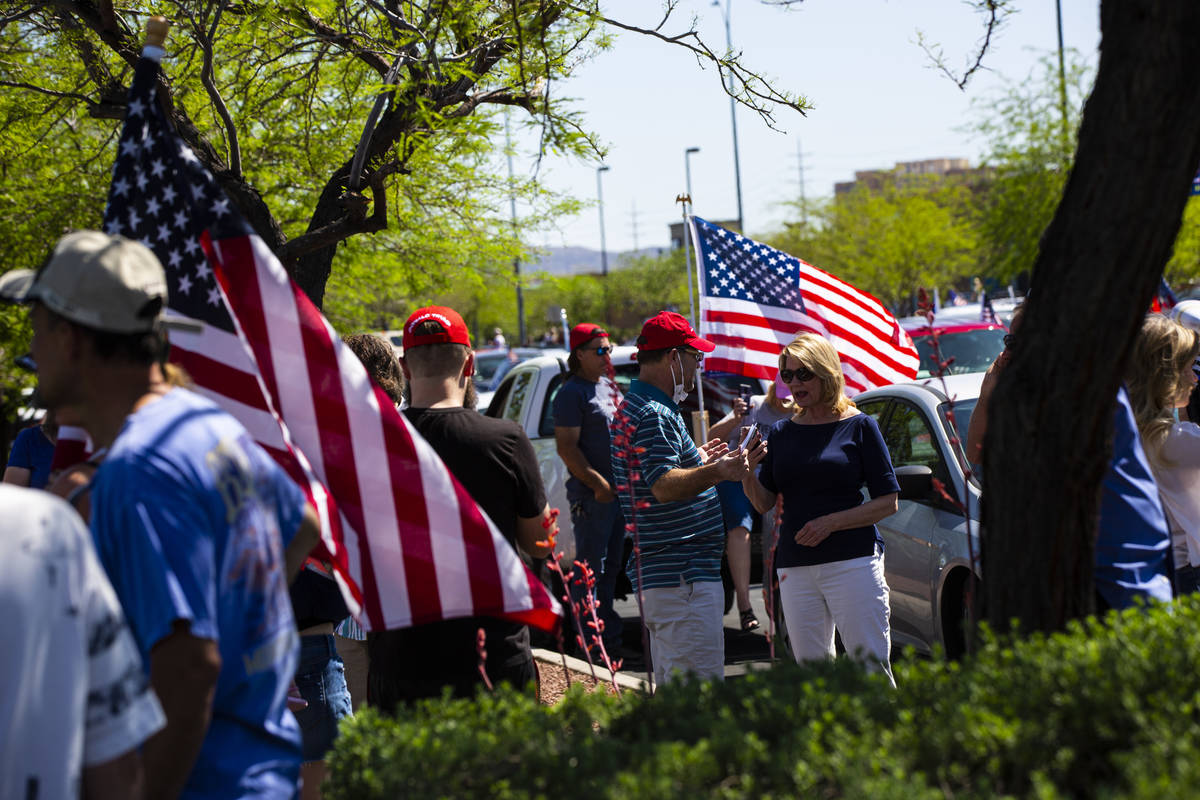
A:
996, 11
205, 40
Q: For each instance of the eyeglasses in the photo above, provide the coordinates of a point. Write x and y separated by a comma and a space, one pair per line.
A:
696, 354
802, 374
603, 351
1009, 340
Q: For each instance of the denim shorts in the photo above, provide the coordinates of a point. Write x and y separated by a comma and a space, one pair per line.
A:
321, 679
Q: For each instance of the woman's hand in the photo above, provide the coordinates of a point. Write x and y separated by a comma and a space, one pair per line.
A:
816, 531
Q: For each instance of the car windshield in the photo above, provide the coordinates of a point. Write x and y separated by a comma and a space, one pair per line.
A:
972, 351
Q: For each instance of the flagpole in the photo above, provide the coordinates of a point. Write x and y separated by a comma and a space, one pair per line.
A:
693, 312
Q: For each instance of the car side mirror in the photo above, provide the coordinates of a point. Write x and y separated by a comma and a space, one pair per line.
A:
916, 482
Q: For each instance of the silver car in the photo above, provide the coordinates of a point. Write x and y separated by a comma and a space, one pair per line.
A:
928, 557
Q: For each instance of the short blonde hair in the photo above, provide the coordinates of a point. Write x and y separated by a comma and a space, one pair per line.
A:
1159, 370
817, 355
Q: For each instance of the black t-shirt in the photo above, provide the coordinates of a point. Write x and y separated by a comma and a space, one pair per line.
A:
495, 462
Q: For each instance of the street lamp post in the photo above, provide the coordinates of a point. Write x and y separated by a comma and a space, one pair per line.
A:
737, 166
600, 170
687, 169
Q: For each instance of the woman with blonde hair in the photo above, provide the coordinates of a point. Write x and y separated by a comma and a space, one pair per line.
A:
1160, 378
830, 554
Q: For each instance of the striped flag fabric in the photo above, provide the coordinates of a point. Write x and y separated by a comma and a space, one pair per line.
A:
755, 299
408, 544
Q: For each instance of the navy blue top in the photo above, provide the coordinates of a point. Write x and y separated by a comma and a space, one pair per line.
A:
589, 407
820, 469
34, 452
1132, 541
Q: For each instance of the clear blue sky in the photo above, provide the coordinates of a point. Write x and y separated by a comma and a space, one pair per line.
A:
877, 101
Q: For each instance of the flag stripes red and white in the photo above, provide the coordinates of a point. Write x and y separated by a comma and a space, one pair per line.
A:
409, 545
754, 300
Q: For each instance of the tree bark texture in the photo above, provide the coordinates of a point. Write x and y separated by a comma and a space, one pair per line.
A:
1050, 419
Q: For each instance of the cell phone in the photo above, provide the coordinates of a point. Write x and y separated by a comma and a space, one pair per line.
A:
744, 392
753, 429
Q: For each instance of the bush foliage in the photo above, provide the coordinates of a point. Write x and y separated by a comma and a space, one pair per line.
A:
1107, 709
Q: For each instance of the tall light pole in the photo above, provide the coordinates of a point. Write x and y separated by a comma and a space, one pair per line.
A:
737, 166
687, 169
600, 170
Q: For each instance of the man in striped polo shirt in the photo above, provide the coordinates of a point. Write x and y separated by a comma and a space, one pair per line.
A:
678, 517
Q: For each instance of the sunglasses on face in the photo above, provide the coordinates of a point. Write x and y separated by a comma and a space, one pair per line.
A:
696, 354
603, 351
1009, 340
802, 374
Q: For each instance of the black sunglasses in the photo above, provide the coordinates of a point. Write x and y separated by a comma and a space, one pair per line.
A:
1009, 339
802, 374
603, 351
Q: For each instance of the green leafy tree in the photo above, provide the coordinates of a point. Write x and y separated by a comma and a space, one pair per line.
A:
1029, 152
908, 231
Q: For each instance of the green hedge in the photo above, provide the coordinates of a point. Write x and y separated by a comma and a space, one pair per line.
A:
1108, 709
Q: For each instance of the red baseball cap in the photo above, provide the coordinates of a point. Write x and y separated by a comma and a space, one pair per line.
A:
453, 329
668, 329
584, 332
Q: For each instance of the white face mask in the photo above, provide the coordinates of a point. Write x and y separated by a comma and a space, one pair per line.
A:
679, 390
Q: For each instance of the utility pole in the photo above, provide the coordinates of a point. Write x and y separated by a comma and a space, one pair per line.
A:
1062, 78
737, 166
512, 199
800, 169
633, 222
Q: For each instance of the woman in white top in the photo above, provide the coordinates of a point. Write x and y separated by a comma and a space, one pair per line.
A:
1160, 378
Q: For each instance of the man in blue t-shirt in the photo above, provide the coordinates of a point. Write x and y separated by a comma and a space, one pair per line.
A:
672, 503
583, 410
191, 520
32, 455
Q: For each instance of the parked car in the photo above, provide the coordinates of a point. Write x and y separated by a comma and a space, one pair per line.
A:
928, 556
493, 363
526, 396
973, 346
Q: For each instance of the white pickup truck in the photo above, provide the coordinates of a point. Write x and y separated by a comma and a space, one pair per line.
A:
526, 396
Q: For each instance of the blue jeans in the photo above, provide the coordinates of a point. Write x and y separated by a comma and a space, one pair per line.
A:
321, 679
599, 541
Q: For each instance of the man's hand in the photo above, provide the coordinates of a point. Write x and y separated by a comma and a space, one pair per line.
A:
733, 465
605, 494
712, 450
739, 406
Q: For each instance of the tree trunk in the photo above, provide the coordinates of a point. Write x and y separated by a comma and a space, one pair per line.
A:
1050, 430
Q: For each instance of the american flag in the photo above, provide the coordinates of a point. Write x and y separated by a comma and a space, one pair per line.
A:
409, 545
754, 300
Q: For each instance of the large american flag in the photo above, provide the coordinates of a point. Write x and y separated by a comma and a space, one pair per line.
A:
408, 543
755, 299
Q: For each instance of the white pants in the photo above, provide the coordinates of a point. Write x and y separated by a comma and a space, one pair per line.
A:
851, 595
686, 633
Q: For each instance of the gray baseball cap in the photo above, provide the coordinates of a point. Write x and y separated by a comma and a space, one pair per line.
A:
108, 283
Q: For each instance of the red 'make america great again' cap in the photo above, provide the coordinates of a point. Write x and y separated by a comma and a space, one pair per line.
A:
668, 329
452, 328
584, 332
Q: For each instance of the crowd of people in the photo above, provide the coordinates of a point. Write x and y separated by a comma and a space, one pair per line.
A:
190, 645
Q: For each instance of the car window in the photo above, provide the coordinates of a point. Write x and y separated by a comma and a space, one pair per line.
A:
499, 398
546, 425
518, 394
967, 351
910, 441
873, 408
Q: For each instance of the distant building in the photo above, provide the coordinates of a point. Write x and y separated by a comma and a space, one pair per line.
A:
677, 230
875, 178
